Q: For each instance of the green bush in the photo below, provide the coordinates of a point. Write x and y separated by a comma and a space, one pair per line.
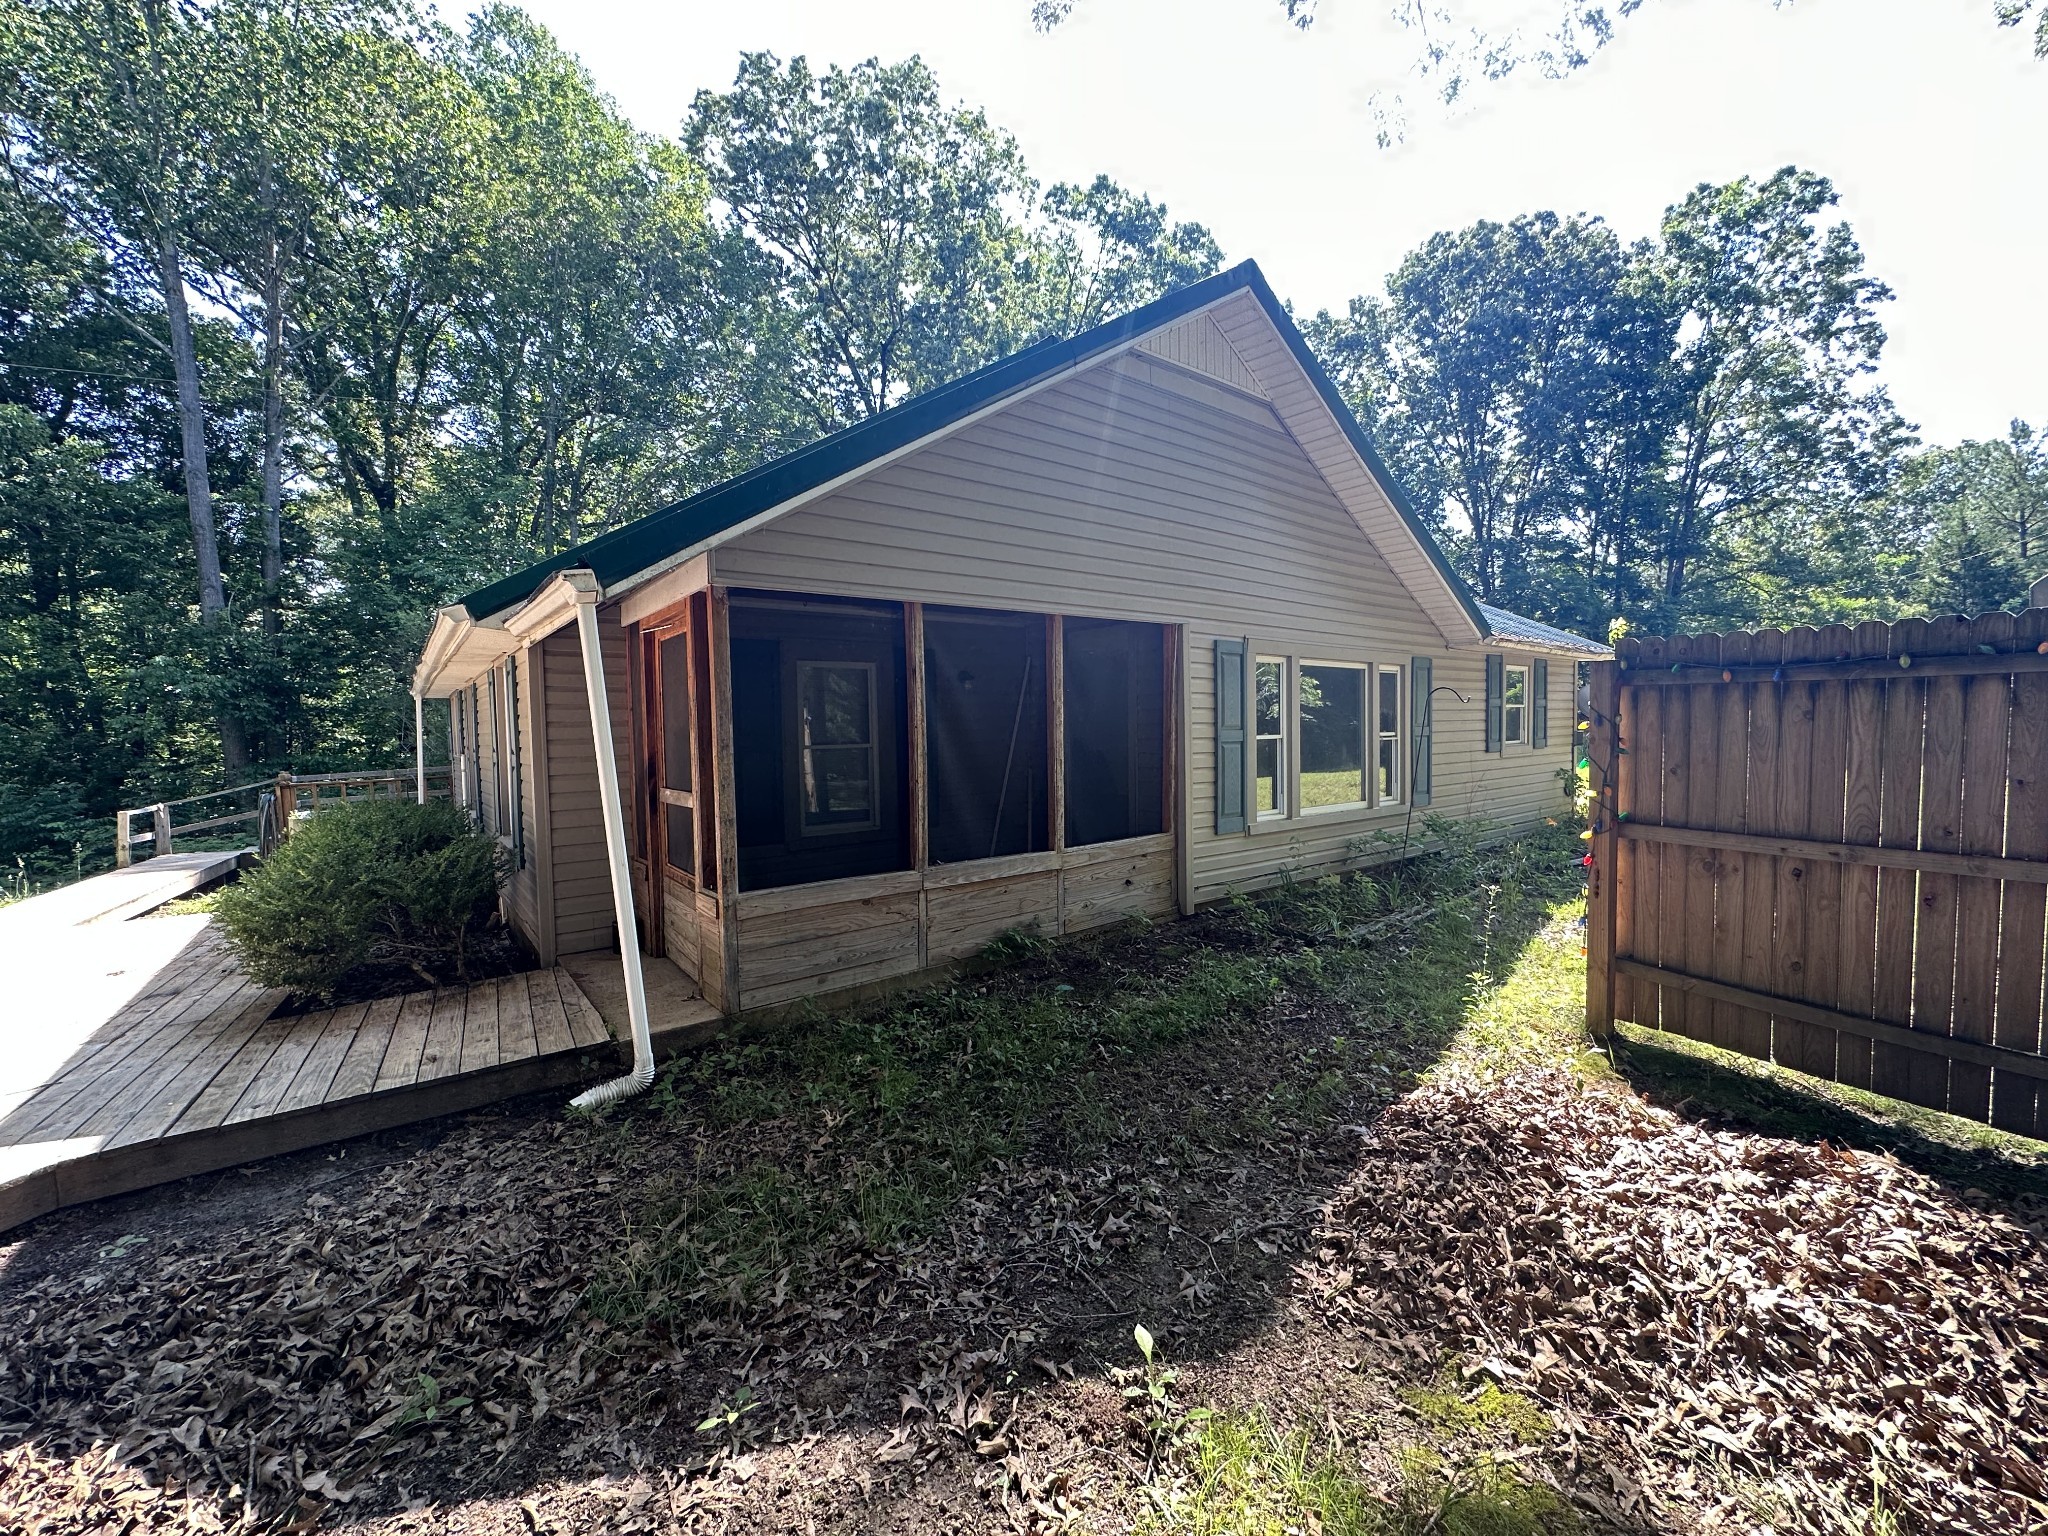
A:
368, 882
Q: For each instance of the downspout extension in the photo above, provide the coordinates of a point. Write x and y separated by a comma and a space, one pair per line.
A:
642, 1075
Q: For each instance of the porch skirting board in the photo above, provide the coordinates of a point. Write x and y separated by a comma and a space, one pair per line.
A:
838, 936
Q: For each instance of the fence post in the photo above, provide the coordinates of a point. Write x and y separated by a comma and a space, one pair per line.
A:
161, 844
122, 836
1604, 770
287, 805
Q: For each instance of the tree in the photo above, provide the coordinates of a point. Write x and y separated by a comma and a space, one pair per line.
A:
1515, 373
1105, 251
891, 223
1780, 428
134, 168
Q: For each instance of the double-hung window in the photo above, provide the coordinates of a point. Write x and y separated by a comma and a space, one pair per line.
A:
1389, 788
1269, 718
1333, 700
1514, 713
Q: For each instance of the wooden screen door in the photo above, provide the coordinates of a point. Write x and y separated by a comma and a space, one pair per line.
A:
672, 685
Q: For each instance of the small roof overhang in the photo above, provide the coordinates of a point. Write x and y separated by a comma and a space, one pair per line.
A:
1512, 632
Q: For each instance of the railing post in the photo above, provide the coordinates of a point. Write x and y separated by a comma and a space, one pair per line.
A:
122, 852
161, 844
287, 804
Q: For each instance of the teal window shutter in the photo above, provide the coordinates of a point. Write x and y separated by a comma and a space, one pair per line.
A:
1422, 707
1539, 704
1230, 736
1496, 687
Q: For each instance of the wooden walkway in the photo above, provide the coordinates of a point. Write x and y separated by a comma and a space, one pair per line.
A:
135, 1052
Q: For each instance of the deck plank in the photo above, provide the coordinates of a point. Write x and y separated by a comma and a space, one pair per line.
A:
215, 1103
480, 1022
515, 1020
160, 1060
269, 1086
585, 1023
119, 1051
401, 1066
337, 1034
443, 1052
162, 1110
358, 1071
551, 1027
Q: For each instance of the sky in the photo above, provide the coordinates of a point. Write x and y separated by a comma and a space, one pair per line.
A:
1930, 119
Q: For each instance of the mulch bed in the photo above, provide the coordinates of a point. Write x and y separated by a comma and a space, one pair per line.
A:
1727, 1331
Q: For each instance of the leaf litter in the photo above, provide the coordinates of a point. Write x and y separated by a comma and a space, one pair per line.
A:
1315, 1200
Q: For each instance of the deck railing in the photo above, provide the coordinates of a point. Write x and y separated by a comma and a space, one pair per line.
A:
272, 805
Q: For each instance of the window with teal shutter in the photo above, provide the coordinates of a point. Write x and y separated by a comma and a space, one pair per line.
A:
1230, 738
1539, 703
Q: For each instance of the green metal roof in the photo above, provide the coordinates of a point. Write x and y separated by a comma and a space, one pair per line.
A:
614, 556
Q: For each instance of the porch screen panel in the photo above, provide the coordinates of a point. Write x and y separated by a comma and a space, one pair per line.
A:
1115, 708
986, 746
820, 741
676, 757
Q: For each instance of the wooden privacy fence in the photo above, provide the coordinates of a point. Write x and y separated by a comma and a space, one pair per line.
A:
1829, 848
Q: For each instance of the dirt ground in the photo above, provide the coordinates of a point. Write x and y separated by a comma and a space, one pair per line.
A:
1343, 1155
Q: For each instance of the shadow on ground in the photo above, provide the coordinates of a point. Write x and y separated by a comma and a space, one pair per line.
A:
875, 1235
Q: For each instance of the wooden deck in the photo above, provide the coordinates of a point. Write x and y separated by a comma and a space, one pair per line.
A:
135, 1052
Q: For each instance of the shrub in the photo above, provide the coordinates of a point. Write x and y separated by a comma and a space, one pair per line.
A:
361, 883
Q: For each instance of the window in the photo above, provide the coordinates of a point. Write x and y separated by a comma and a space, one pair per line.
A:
1269, 719
836, 745
1332, 701
987, 751
1114, 700
1515, 705
1389, 788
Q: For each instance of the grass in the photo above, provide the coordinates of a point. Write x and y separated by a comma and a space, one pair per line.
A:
870, 1124
1241, 1476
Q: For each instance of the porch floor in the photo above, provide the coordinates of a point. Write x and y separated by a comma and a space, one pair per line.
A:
134, 1052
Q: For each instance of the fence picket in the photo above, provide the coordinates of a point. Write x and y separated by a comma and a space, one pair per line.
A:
1754, 714
1794, 1042
1862, 816
2018, 1104
1700, 864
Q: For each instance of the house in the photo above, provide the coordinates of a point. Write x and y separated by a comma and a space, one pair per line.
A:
1115, 626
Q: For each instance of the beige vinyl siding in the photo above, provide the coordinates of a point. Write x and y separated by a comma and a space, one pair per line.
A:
1196, 343
1135, 492
1516, 787
579, 870
522, 891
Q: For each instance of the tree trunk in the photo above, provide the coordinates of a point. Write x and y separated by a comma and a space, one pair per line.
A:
213, 601
273, 406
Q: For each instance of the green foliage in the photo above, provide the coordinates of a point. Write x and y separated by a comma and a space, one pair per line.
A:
1682, 430
1450, 1405
363, 882
1240, 1475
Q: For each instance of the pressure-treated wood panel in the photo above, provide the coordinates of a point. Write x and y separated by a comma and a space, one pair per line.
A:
1879, 889
814, 949
1108, 890
963, 919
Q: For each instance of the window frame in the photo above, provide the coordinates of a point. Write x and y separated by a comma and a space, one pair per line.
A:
1368, 705
804, 750
1382, 738
1285, 801
1518, 735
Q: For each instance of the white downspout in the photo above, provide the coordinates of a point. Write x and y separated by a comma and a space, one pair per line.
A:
609, 799
419, 746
